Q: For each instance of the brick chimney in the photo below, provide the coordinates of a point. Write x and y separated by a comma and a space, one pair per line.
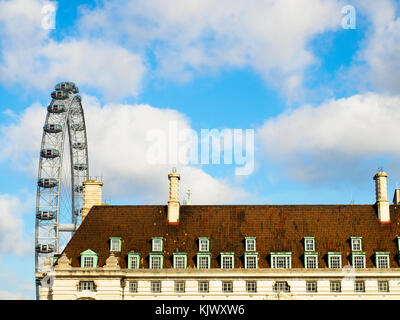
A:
173, 201
91, 195
382, 203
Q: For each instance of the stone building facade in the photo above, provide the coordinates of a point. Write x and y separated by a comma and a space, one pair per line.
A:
231, 252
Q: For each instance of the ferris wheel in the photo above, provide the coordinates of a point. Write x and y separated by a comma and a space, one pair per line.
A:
63, 167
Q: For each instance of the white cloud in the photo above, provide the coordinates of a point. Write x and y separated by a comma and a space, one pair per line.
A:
31, 58
197, 36
381, 50
117, 140
12, 238
5, 295
315, 142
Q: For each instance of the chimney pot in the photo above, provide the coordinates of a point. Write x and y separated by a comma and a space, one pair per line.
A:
382, 202
173, 202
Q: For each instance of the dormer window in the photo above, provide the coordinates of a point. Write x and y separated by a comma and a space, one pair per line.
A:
250, 243
204, 244
382, 259
180, 260
309, 244
157, 244
311, 260
115, 244
133, 260
358, 260
356, 244
281, 260
89, 259
227, 260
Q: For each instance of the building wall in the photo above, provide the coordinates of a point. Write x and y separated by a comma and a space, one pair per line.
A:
63, 284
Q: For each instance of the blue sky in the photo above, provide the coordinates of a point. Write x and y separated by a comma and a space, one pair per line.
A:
322, 100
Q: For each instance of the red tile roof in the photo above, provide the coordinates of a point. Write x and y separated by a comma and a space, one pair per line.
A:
278, 228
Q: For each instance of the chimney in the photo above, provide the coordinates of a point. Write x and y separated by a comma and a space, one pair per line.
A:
173, 202
382, 202
91, 195
396, 198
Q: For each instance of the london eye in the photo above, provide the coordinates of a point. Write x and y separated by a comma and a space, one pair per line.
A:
63, 167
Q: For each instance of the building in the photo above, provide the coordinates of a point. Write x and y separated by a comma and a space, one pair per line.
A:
230, 252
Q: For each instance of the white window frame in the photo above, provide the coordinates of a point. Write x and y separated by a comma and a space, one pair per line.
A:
310, 256
132, 265
203, 286
251, 256
177, 257
133, 286
204, 244
250, 244
251, 286
227, 260
312, 286
87, 286
338, 285
200, 258
157, 244
358, 288
179, 286
277, 257
336, 255
280, 286
356, 243
384, 288
153, 258
115, 244
86, 263
309, 244
382, 256
353, 260
155, 286
227, 286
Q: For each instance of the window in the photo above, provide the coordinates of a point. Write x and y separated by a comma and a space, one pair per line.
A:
250, 261
133, 260
204, 244
281, 286
358, 261
86, 285
203, 287
250, 244
156, 261
88, 259
311, 261
382, 259
334, 260
359, 286
180, 260
88, 262
251, 286
383, 286
356, 244
227, 286
180, 286
227, 261
309, 244
311, 286
203, 261
336, 286
115, 244
133, 286
155, 286
281, 260
157, 244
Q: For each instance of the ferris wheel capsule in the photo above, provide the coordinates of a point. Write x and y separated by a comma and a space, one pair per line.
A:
49, 153
56, 108
52, 128
59, 94
80, 166
47, 182
44, 248
78, 189
77, 126
79, 145
46, 215
68, 86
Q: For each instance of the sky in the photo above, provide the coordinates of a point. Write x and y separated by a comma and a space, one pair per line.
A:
314, 81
